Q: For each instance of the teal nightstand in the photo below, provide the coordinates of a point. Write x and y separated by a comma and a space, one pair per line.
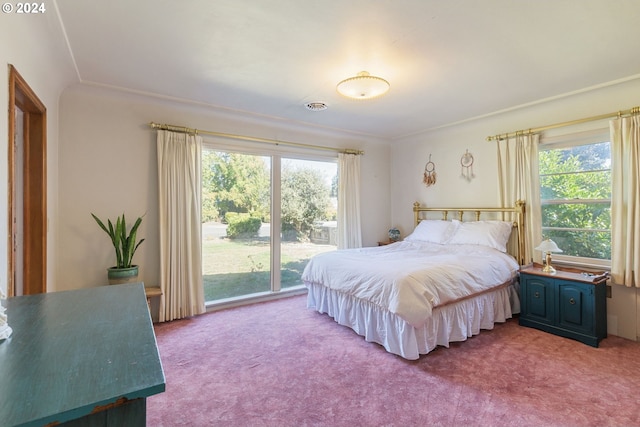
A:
569, 303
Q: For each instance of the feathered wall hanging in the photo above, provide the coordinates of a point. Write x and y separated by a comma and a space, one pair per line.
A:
429, 176
466, 166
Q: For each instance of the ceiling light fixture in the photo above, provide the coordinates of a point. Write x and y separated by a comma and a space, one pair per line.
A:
363, 86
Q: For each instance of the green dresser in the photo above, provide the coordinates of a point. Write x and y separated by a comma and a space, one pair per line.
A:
569, 303
79, 358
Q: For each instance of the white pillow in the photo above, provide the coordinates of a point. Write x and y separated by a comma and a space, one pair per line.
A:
494, 234
433, 231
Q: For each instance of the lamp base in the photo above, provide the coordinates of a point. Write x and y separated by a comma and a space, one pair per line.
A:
547, 265
548, 269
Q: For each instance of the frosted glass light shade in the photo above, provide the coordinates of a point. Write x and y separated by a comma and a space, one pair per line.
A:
363, 86
548, 245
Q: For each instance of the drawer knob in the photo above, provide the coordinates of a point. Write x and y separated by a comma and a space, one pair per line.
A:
536, 295
572, 301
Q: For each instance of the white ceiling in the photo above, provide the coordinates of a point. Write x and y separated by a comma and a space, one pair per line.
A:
446, 60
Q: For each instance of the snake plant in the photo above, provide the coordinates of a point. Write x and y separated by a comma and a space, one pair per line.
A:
124, 244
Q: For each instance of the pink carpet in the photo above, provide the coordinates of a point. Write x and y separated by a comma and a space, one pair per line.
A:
281, 364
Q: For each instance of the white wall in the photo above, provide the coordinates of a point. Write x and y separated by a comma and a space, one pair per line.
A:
34, 45
447, 145
108, 166
87, 171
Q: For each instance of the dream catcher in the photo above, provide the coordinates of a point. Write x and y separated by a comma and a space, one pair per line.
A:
429, 177
466, 166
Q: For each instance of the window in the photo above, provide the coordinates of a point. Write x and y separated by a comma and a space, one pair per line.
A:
575, 196
308, 215
264, 216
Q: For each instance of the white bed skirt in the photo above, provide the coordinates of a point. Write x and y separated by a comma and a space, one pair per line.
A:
451, 323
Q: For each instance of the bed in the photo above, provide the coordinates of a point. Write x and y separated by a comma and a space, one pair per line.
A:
446, 281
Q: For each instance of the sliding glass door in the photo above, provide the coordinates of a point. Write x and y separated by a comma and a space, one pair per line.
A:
308, 221
236, 242
263, 218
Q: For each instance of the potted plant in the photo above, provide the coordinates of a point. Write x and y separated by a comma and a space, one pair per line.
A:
125, 246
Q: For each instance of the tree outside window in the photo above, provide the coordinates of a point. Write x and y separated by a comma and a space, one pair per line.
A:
575, 193
242, 255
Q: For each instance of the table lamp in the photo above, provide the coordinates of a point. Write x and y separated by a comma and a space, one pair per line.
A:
546, 247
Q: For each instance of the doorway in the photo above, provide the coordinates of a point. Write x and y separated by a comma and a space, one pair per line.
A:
27, 177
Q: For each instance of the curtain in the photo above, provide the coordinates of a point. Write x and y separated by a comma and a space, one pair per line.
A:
349, 231
179, 163
518, 180
625, 206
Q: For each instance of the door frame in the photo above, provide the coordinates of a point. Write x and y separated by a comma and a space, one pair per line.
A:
34, 198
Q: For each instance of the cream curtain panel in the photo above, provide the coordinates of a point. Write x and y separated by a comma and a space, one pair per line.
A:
518, 180
349, 229
625, 203
179, 164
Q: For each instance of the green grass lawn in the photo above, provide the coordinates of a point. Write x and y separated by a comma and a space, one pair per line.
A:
235, 267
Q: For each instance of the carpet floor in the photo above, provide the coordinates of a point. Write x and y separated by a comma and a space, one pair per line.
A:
281, 364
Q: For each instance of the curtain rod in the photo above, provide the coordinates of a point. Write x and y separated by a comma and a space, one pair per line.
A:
634, 110
183, 129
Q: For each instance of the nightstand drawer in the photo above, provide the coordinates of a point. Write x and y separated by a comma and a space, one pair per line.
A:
538, 299
575, 306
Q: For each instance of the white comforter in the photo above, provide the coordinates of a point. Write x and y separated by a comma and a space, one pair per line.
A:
409, 278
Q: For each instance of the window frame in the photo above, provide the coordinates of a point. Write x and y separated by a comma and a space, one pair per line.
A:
570, 140
277, 154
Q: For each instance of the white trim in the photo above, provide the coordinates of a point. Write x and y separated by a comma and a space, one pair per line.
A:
574, 261
254, 298
574, 139
256, 148
275, 243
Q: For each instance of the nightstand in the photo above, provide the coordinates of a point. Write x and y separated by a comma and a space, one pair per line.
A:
569, 303
388, 242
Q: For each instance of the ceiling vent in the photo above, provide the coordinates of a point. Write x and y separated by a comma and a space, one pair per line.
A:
316, 106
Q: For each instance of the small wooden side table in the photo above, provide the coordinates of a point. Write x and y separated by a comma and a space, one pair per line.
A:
152, 292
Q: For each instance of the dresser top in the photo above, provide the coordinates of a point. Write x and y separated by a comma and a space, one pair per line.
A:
564, 273
73, 352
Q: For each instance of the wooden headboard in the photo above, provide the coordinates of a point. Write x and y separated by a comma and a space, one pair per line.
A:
516, 213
